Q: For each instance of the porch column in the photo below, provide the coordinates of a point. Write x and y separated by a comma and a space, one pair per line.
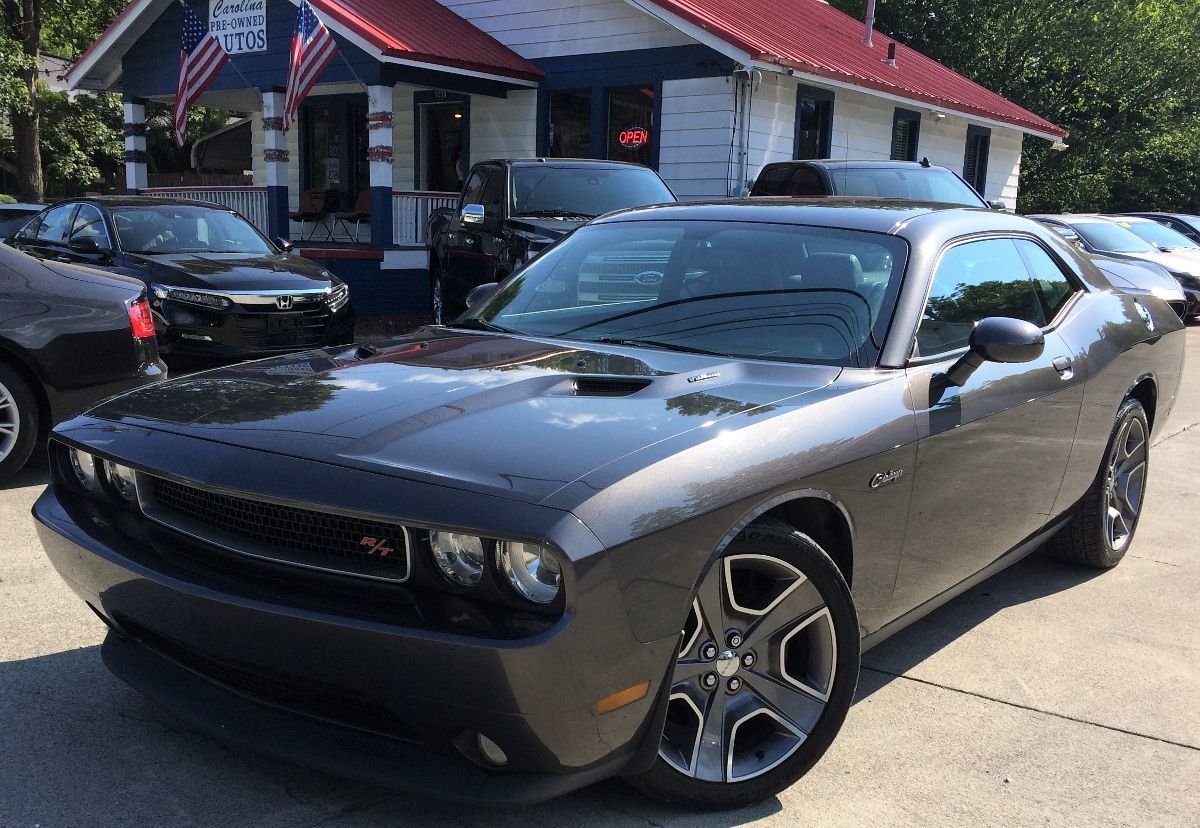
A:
275, 153
379, 153
136, 176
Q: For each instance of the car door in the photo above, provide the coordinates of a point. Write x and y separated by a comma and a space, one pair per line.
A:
89, 224
991, 454
46, 235
466, 264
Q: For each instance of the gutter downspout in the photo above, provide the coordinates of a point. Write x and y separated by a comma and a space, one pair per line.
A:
746, 81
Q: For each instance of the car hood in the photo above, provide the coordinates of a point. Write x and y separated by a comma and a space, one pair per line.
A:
1140, 277
550, 229
1174, 261
513, 416
230, 271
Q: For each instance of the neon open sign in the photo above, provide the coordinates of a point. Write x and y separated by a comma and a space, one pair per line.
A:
633, 137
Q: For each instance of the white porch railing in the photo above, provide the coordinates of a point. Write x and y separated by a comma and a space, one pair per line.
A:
251, 202
410, 212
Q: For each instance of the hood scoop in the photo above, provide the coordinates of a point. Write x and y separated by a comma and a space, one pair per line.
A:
608, 386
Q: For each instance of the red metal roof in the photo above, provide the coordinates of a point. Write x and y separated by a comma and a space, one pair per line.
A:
812, 37
428, 32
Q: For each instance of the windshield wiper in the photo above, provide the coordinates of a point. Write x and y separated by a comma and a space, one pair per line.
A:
476, 324
558, 212
653, 343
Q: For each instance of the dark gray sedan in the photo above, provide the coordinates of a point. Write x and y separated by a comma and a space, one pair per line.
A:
573, 536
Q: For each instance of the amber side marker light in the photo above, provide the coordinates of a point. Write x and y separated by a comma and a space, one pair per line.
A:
623, 697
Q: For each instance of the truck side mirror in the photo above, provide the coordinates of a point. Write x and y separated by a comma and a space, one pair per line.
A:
472, 214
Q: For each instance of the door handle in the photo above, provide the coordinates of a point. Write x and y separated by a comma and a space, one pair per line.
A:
1064, 367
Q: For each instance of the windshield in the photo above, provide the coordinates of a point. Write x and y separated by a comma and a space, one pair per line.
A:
1156, 233
579, 192
1111, 238
760, 291
184, 229
924, 184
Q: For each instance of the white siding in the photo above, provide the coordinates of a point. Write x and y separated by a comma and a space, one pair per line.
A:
862, 126
504, 127
1004, 166
403, 147
772, 123
695, 135
549, 28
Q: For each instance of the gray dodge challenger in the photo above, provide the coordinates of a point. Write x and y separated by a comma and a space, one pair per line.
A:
637, 512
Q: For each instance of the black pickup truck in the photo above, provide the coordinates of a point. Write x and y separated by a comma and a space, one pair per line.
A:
511, 210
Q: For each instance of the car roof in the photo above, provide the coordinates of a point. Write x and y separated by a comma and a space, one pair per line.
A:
143, 201
846, 212
1152, 213
584, 163
860, 163
1073, 218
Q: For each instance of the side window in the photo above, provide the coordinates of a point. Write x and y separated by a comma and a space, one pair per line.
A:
471, 190
1053, 287
973, 281
806, 182
492, 195
772, 181
53, 224
90, 224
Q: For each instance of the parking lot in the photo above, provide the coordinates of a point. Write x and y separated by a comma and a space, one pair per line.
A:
1046, 695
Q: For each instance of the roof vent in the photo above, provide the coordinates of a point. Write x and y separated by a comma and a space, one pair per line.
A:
891, 61
608, 387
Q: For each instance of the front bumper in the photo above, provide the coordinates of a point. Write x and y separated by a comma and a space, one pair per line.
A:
239, 333
357, 697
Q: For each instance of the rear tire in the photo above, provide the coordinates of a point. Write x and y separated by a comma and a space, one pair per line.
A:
18, 422
1104, 521
765, 673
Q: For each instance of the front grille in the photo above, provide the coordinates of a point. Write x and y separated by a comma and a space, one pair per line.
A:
284, 329
284, 534
307, 697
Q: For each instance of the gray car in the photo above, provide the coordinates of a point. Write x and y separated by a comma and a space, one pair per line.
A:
1113, 237
568, 537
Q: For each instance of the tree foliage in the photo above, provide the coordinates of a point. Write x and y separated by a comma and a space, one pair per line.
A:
1122, 76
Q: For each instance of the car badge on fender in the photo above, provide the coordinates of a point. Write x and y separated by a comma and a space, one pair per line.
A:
884, 478
702, 377
1145, 314
284, 302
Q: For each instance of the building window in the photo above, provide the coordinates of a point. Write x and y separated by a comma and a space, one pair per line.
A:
570, 125
814, 123
630, 124
334, 149
979, 142
906, 132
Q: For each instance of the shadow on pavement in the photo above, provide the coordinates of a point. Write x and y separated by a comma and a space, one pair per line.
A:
35, 473
1037, 576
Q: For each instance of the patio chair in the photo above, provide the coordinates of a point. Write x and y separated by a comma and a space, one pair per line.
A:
314, 206
360, 213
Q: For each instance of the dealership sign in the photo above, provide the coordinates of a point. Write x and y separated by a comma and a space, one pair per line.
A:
633, 137
239, 25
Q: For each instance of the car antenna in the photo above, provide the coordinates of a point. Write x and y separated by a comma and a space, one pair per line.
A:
925, 162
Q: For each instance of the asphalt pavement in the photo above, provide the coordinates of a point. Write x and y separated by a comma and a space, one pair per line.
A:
1047, 695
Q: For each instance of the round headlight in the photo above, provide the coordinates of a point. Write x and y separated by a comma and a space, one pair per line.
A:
459, 557
532, 570
122, 479
84, 466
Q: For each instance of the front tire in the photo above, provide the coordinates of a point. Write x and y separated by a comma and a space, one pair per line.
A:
765, 673
18, 422
436, 295
1102, 526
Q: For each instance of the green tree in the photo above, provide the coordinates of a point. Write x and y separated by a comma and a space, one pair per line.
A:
20, 46
82, 142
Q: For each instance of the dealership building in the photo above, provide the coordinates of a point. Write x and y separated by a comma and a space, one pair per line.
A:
704, 91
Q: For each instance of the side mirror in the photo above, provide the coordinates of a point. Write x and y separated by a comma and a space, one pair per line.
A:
998, 339
472, 214
284, 244
480, 293
84, 244
997, 204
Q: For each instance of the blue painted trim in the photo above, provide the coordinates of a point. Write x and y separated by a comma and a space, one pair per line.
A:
381, 218
435, 97
277, 213
825, 142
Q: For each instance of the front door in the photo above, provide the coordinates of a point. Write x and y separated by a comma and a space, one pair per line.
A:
443, 146
991, 454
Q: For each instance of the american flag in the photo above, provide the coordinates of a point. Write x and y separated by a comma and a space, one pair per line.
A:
312, 49
200, 59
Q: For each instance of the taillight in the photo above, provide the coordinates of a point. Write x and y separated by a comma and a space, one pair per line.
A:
143, 322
